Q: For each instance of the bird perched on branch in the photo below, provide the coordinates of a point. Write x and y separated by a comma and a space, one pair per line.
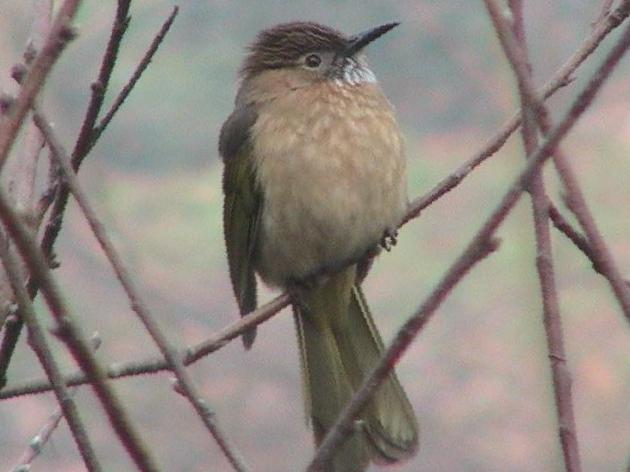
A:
314, 181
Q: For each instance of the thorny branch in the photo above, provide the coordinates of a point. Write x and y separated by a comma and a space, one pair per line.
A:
12, 331
562, 77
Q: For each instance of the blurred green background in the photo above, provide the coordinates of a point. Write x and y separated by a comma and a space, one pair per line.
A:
478, 374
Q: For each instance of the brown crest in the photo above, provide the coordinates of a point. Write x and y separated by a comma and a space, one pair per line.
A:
283, 44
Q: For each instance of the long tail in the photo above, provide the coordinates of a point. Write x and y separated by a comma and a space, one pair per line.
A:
339, 346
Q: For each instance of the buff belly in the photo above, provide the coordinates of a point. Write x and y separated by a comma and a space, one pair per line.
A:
332, 176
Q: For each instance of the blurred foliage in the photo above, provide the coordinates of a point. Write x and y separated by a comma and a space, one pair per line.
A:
478, 376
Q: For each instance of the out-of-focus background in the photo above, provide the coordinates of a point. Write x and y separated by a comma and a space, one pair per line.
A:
478, 375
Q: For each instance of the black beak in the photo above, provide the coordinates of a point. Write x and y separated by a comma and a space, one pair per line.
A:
361, 40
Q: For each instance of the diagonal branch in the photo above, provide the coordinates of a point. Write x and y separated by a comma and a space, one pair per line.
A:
562, 77
37, 443
141, 67
42, 349
337, 434
574, 196
72, 335
139, 305
60, 33
86, 140
514, 45
157, 364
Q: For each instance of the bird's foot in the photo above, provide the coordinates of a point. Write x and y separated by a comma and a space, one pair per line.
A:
389, 239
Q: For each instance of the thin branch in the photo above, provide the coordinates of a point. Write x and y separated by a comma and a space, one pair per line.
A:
37, 443
604, 11
605, 263
144, 63
515, 48
139, 305
157, 364
23, 169
575, 198
72, 335
83, 145
60, 33
482, 238
41, 348
561, 78
576, 237
99, 87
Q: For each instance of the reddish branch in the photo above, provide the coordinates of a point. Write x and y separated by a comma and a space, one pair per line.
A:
88, 137
60, 33
185, 382
514, 45
72, 335
158, 364
562, 77
37, 443
339, 431
131, 83
574, 196
38, 342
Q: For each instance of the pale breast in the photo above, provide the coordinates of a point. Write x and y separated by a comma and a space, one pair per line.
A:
331, 164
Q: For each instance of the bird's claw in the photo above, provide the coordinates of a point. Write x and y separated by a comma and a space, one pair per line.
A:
389, 239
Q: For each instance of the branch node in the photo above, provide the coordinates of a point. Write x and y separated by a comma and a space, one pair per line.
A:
67, 34
18, 72
97, 87
6, 102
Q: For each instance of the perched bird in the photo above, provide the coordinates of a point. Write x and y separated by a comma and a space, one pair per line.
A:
314, 181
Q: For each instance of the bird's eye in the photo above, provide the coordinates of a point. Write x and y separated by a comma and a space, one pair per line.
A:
312, 61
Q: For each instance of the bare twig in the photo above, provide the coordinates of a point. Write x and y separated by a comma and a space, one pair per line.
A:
157, 364
516, 51
605, 263
576, 237
85, 142
559, 79
40, 345
72, 335
340, 429
604, 11
24, 164
60, 33
37, 443
21, 168
139, 305
577, 203
141, 67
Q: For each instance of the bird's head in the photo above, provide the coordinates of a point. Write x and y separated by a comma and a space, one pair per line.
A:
311, 52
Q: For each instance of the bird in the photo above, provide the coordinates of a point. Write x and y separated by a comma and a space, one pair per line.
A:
315, 184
